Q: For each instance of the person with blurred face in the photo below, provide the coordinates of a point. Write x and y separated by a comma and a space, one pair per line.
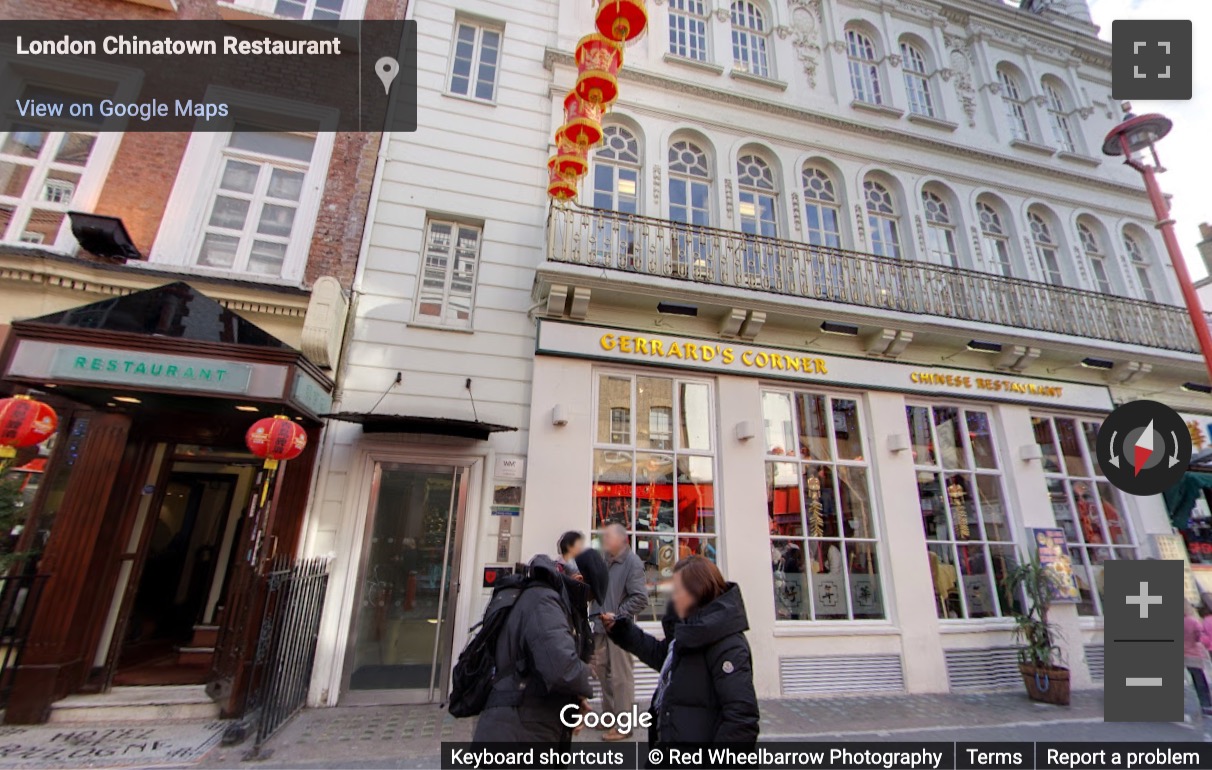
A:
570, 544
705, 691
626, 596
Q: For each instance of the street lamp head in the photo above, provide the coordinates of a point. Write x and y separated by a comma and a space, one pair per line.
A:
1137, 134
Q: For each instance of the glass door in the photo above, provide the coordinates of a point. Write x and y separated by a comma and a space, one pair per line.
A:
400, 649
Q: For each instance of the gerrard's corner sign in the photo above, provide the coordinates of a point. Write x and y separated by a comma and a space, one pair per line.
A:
557, 338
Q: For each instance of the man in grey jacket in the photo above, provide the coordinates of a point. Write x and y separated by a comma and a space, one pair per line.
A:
626, 595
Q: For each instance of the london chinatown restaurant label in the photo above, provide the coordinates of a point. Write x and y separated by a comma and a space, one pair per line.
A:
728, 357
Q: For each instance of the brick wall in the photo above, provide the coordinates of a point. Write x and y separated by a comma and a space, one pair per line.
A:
145, 167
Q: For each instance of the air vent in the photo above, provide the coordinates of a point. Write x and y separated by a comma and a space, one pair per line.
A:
983, 669
849, 674
1094, 661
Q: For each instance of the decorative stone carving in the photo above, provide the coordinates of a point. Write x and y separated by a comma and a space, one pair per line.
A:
946, 73
838, 46
921, 235
723, 15
782, 31
961, 67
656, 187
1085, 112
795, 211
977, 251
894, 60
728, 197
805, 35
1040, 100
862, 225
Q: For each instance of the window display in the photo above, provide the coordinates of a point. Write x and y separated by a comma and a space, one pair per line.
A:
823, 537
1085, 505
655, 474
969, 537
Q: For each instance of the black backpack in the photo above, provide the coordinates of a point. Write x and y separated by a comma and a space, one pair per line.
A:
475, 673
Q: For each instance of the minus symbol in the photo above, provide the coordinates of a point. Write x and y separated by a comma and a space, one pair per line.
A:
1143, 681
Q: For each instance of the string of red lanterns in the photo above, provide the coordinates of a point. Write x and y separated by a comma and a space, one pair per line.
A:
599, 57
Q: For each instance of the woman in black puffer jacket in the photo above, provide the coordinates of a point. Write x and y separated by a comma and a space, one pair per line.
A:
705, 691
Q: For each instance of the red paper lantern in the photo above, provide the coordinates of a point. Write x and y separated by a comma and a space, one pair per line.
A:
598, 61
276, 439
562, 187
24, 422
570, 158
582, 120
622, 20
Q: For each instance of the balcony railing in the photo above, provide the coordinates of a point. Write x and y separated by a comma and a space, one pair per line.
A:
707, 255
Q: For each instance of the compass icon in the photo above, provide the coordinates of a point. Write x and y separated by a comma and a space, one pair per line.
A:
1144, 448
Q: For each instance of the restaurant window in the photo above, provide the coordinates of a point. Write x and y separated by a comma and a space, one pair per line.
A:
1085, 505
969, 535
882, 220
750, 39
1058, 116
1140, 264
917, 80
821, 208
1015, 104
448, 273
262, 183
940, 230
1092, 246
1047, 249
823, 539
864, 67
655, 474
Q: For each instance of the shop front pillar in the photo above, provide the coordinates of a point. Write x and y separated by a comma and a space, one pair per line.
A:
744, 524
1030, 489
907, 580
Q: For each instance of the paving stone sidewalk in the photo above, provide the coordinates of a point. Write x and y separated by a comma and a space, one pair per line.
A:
411, 736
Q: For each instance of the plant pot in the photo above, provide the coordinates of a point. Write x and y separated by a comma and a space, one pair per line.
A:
1046, 684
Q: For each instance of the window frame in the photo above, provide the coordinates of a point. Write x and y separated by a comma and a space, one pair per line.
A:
1078, 547
350, 9
1058, 117
181, 230
443, 321
866, 84
751, 37
972, 473
693, 27
1097, 257
1047, 251
1141, 265
480, 27
814, 200
942, 240
884, 226
1002, 258
914, 65
875, 542
1014, 103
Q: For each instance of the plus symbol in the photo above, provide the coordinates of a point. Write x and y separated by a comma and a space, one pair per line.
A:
1144, 600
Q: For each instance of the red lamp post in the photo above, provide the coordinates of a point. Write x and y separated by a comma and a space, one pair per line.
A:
1135, 135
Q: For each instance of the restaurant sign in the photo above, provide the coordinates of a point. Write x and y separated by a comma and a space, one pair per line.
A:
730, 357
150, 370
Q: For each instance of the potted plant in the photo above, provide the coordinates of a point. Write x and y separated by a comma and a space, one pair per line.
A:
1039, 654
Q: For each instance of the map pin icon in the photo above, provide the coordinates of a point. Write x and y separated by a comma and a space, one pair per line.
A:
387, 68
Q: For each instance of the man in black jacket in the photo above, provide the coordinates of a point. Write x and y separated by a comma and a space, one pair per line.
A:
541, 657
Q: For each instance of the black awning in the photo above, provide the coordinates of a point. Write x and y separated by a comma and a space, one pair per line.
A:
432, 426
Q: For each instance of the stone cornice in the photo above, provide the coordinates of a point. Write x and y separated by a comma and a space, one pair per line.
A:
31, 269
552, 58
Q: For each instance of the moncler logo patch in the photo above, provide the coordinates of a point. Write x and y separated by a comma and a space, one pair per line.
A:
728, 667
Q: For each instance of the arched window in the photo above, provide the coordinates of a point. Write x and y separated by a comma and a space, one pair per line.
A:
822, 208
864, 68
1096, 256
917, 80
1140, 263
689, 184
996, 238
616, 171
1047, 249
882, 220
688, 29
758, 196
1058, 116
750, 39
940, 230
1015, 104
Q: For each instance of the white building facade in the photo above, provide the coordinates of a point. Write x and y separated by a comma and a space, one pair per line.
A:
847, 293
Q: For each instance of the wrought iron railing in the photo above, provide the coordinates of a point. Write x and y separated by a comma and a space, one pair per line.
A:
286, 646
19, 595
708, 255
